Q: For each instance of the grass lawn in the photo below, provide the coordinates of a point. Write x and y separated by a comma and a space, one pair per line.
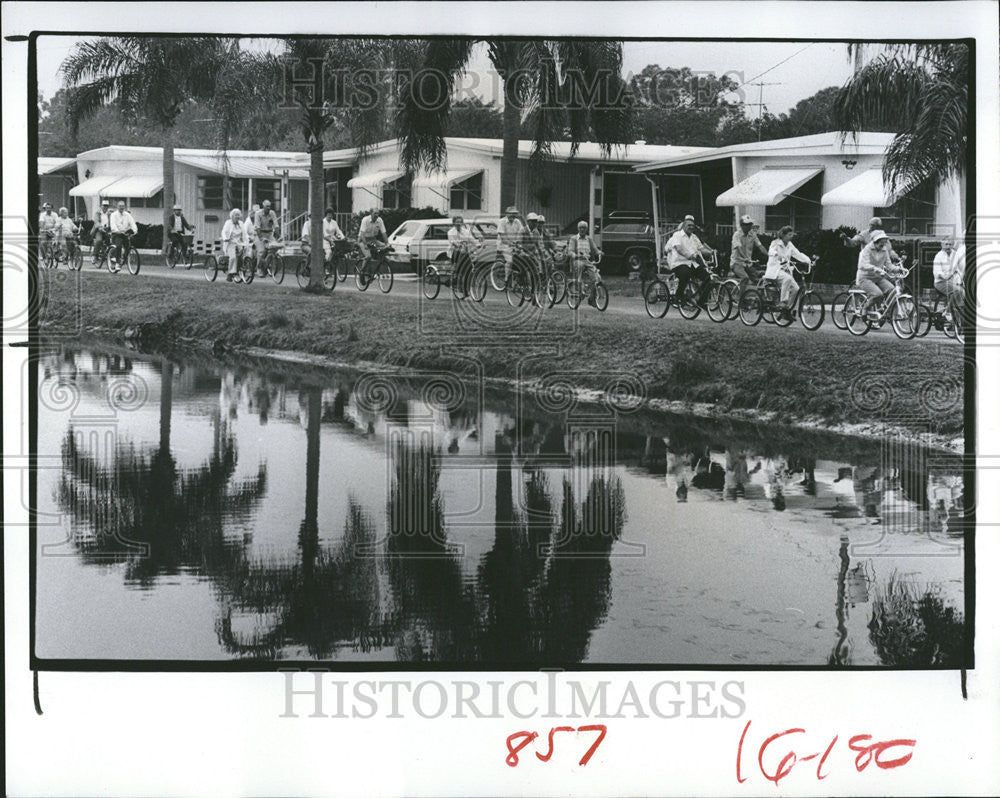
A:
799, 376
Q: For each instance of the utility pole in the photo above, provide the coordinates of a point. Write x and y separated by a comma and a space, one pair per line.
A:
760, 105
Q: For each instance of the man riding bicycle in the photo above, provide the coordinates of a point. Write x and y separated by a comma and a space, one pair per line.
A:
779, 267
510, 236
102, 227
463, 242
121, 225
583, 253
946, 277
65, 233
47, 223
371, 234
875, 266
686, 258
265, 224
176, 228
864, 238
234, 241
745, 241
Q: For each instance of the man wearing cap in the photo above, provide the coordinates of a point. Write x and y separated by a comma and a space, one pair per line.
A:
744, 241
874, 267
510, 235
864, 238
47, 223
686, 258
102, 227
265, 224
177, 227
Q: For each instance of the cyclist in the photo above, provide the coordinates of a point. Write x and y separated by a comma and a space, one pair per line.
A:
331, 230
780, 255
305, 237
47, 222
463, 241
176, 229
864, 238
65, 233
510, 236
265, 222
234, 241
534, 244
874, 267
102, 227
745, 241
121, 224
583, 252
944, 269
686, 258
371, 234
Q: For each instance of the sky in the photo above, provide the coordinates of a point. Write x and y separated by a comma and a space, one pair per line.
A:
808, 68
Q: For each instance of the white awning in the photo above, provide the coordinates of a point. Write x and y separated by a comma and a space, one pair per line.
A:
93, 186
442, 182
374, 180
47, 165
767, 187
867, 190
135, 186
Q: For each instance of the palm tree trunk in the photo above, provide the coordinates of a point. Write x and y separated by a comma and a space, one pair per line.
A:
511, 135
316, 215
168, 183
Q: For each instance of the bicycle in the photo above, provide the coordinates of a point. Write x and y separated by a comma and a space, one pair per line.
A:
347, 256
898, 307
587, 284
100, 249
46, 249
272, 264
244, 270
303, 272
658, 295
365, 274
132, 259
182, 253
763, 302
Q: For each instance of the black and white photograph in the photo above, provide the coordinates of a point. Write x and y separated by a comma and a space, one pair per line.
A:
390, 349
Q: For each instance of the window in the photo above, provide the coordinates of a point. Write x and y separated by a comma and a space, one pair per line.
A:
268, 190
437, 232
396, 194
801, 209
468, 194
239, 193
913, 213
210, 192
330, 195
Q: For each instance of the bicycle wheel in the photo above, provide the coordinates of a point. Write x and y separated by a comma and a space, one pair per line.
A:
601, 297
329, 276
211, 268
430, 284
247, 269
854, 316
689, 307
656, 298
574, 292
717, 302
385, 277
515, 291
113, 265
811, 310
751, 307
98, 256
478, 281
837, 310
76, 259
924, 320
459, 280
302, 271
362, 279
904, 317
170, 257
278, 270
497, 275
133, 261
189, 258
559, 282
344, 266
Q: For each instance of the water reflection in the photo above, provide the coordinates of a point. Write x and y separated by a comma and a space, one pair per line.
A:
458, 530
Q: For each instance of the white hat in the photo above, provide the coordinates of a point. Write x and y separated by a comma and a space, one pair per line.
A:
746, 220
689, 218
541, 218
532, 217
878, 235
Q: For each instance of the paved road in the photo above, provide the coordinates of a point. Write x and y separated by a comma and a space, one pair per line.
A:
406, 285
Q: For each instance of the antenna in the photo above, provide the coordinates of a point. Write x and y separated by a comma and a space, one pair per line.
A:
760, 104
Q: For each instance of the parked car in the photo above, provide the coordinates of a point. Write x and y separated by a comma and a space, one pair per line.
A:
418, 242
628, 241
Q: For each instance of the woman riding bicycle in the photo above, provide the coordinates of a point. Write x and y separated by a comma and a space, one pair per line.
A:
234, 241
875, 266
583, 253
65, 231
780, 255
463, 242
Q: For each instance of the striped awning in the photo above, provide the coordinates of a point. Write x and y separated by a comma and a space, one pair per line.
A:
373, 180
867, 190
767, 187
135, 186
93, 186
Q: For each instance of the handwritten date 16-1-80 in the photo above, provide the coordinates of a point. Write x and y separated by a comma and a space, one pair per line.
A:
788, 745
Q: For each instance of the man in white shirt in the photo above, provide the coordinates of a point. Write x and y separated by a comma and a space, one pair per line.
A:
944, 269
779, 265
463, 241
510, 236
371, 233
47, 223
65, 232
121, 224
102, 227
686, 258
265, 223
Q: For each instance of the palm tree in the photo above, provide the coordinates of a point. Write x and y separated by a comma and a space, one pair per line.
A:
142, 76
564, 86
920, 90
320, 78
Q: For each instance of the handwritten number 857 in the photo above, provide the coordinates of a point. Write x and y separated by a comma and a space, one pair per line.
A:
526, 737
